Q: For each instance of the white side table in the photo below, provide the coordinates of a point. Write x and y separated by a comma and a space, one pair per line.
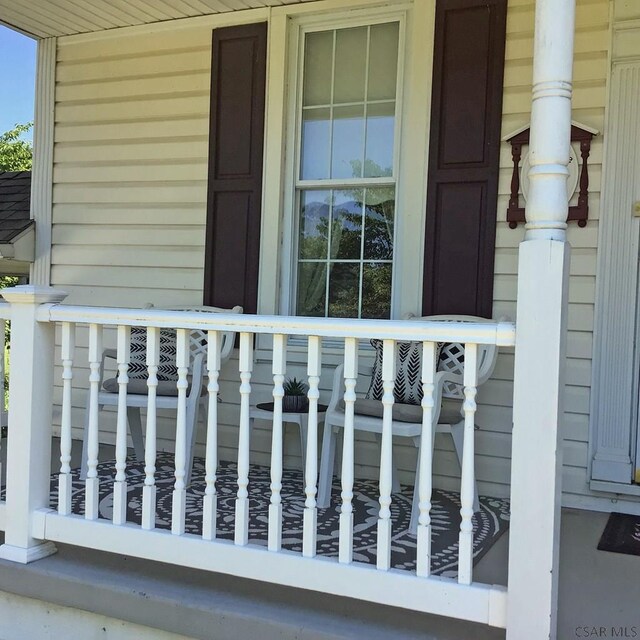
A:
264, 411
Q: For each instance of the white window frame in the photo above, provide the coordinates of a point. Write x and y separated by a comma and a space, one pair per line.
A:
278, 268
295, 185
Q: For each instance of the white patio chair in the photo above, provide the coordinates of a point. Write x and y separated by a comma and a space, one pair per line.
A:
407, 418
166, 392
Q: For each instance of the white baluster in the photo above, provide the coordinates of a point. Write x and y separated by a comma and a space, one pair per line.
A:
149, 489
178, 506
65, 480
120, 484
92, 483
210, 504
386, 461
424, 480
467, 482
310, 518
345, 550
275, 507
242, 501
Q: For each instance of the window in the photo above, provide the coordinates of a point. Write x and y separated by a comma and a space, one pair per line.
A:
345, 185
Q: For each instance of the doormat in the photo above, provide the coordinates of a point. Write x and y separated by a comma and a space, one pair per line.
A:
621, 535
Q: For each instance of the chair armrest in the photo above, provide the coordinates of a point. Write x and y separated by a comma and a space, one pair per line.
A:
439, 381
106, 353
450, 376
336, 394
229, 337
197, 374
337, 389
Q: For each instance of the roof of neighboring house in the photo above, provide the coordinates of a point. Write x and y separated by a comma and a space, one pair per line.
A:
15, 200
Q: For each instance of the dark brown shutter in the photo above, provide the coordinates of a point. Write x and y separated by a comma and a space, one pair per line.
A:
464, 154
236, 138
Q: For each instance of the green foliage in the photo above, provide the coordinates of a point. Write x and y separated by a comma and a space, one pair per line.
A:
16, 154
338, 236
294, 387
5, 282
8, 281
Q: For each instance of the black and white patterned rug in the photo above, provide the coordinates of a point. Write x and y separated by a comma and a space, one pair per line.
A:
488, 524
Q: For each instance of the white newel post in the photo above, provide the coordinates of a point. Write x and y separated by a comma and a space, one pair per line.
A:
543, 270
29, 431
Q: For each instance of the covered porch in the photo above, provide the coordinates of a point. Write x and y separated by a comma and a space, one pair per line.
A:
514, 586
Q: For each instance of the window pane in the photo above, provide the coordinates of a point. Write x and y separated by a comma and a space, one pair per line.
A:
350, 65
315, 144
376, 290
379, 143
318, 58
314, 224
383, 61
346, 225
348, 117
312, 285
378, 226
348, 142
344, 289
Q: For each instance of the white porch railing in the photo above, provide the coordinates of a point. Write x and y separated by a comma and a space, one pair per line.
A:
31, 526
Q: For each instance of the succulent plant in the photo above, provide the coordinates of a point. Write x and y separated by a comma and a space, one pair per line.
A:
295, 387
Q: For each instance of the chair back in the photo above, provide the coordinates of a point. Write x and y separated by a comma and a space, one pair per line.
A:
452, 356
198, 337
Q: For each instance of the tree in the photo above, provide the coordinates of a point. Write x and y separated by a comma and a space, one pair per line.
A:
16, 154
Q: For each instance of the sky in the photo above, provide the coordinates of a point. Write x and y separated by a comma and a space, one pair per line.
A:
17, 78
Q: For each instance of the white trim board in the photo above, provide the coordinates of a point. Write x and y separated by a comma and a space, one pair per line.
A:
617, 281
476, 602
42, 173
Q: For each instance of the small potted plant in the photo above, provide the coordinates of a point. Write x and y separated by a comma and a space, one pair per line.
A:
295, 395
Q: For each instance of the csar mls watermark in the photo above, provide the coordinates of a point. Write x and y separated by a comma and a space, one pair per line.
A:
607, 632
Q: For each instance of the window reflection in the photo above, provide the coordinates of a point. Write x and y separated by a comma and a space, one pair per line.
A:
348, 122
346, 227
340, 273
347, 142
316, 129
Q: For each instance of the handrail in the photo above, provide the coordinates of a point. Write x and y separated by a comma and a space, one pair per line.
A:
500, 333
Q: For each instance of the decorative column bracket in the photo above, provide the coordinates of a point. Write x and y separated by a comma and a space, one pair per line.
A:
578, 213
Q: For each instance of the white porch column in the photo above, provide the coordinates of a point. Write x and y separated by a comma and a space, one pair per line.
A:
541, 332
29, 430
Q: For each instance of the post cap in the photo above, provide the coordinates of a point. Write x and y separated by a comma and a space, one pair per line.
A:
33, 294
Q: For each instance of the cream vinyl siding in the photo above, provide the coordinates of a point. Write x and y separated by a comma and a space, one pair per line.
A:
129, 203
130, 178
130, 168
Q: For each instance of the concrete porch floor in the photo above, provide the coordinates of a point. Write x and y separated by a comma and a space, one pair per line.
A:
597, 590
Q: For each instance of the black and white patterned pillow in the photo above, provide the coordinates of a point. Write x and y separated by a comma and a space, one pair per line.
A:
167, 369
408, 383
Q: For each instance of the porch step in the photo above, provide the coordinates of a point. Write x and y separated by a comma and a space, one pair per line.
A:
207, 606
